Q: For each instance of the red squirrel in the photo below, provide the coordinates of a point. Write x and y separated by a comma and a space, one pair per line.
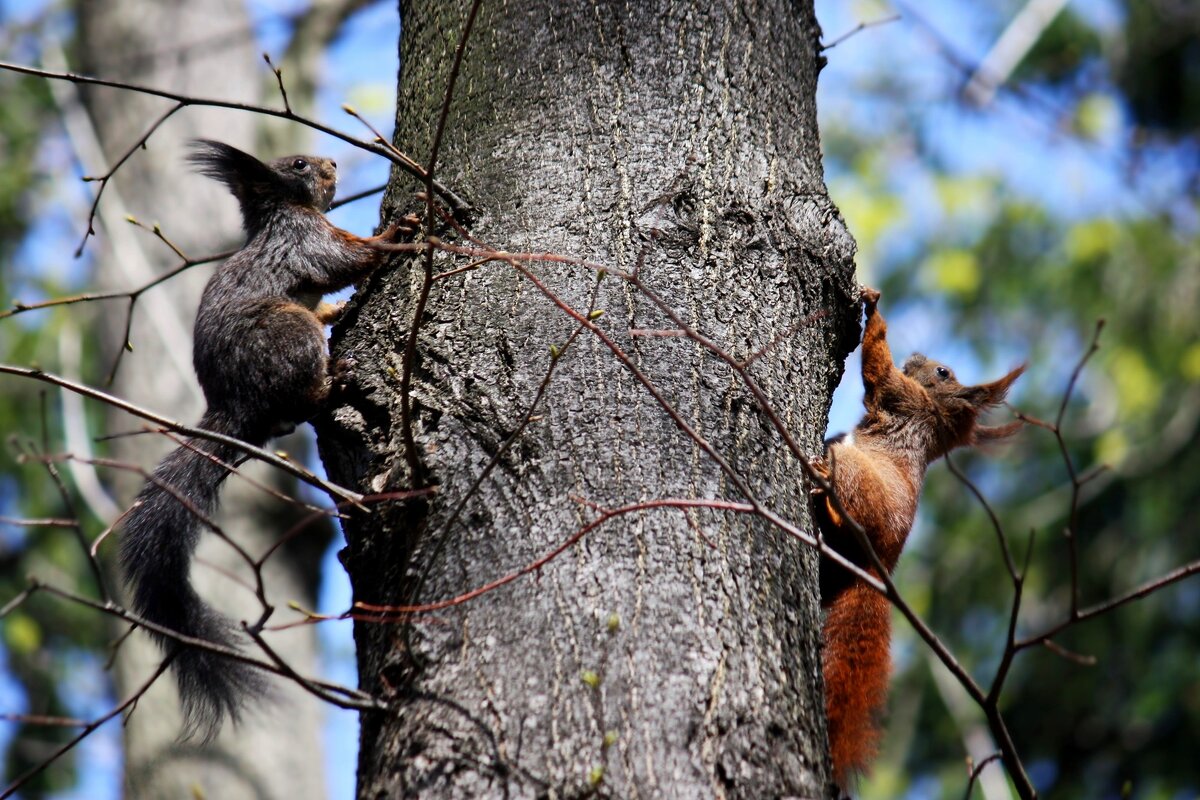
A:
915, 415
261, 358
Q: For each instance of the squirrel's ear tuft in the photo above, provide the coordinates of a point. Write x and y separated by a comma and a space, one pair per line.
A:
215, 159
913, 363
254, 184
223, 162
990, 394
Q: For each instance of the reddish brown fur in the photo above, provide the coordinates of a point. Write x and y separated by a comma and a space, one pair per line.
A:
856, 682
914, 416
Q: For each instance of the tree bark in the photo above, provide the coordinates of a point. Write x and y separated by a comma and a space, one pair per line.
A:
664, 655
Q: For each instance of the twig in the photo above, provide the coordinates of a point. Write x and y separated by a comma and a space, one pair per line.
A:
36, 770
388, 612
285, 464
408, 165
441, 536
106, 177
49, 522
1072, 529
859, 28
19, 307
279, 80
412, 457
339, 696
80, 537
973, 772
368, 701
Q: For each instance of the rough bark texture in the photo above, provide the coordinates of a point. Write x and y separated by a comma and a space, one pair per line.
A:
683, 137
206, 48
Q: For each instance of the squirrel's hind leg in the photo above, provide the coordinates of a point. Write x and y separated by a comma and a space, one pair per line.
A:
291, 383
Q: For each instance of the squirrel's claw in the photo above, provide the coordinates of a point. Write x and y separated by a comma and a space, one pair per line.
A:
402, 230
341, 373
822, 470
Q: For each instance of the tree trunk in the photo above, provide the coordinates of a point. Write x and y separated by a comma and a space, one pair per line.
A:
191, 47
665, 654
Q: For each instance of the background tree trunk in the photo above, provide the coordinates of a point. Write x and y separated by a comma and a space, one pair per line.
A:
192, 47
684, 139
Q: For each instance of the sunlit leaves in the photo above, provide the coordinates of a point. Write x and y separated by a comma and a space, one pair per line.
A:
954, 271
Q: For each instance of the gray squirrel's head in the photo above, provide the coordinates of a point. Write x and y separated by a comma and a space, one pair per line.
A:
311, 179
262, 189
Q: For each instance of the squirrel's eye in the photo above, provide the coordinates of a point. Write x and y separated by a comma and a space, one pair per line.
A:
299, 165
942, 372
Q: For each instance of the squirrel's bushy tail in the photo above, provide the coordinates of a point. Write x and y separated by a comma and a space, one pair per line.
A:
160, 535
856, 666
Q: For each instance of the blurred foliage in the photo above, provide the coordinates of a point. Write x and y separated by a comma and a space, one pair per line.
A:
42, 638
1154, 61
22, 119
1160, 67
997, 274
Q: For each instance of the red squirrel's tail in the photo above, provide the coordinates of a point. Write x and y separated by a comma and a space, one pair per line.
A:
857, 666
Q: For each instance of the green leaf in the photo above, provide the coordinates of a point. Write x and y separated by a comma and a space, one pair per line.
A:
953, 271
22, 634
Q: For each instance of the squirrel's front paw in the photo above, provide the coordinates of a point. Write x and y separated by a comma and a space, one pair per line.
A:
821, 469
329, 313
341, 374
402, 230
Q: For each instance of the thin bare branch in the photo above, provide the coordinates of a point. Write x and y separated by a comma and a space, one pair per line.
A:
411, 456
279, 81
68, 502
859, 28
1069, 655
120, 162
408, 165
86, 731
286, 464
991, 514
19, 307
1149, 587
391, 612
367, 701
46, 522
973, 772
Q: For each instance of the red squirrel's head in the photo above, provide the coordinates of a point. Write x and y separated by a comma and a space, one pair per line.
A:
959, 406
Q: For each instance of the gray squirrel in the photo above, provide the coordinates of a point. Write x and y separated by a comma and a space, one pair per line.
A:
261, 357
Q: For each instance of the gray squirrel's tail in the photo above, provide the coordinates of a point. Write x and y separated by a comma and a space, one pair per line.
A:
160, 535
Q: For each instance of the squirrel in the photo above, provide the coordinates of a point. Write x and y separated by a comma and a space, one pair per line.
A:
914, 415
261, 358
